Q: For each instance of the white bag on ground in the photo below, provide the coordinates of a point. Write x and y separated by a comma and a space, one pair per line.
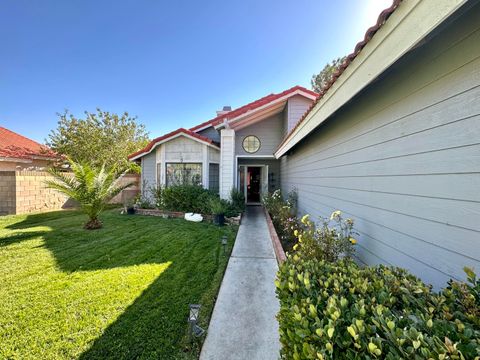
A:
193, 217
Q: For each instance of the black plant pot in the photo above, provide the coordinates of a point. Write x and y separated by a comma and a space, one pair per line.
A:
219, 219
130, 210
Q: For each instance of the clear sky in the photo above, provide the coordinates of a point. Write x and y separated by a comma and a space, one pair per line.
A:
171, 63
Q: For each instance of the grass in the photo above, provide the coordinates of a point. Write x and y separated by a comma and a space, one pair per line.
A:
121, 292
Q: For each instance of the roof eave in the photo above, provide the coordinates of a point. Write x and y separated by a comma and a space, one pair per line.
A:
404, 29
264, 107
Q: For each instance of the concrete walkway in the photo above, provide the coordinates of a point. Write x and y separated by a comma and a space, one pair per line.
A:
243, 324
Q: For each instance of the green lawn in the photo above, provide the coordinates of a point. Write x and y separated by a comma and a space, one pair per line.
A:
121, 292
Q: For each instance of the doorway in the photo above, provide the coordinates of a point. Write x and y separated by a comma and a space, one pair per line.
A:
253, 184
253, 181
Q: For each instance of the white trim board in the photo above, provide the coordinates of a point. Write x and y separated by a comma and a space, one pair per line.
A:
409, 24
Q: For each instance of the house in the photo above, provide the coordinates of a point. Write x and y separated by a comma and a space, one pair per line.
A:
20, 153
393, 142
234, 149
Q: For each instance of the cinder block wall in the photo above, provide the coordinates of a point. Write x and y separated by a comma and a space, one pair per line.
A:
23, 192
7, 192
32, 194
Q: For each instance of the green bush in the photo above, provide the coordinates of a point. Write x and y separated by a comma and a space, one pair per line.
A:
218, 206
190, 198
283, 214
337, 310
330, 241
185, 198
238, 199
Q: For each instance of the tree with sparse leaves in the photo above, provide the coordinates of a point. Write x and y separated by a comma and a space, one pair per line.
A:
320, 80
101, 138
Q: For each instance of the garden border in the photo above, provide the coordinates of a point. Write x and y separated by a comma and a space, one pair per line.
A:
180, 215
277, 245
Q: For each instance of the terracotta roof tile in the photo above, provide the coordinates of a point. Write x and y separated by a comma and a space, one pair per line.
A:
13, 145
382, 18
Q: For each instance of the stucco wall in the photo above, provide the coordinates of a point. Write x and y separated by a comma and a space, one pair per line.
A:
28, 165
403, 160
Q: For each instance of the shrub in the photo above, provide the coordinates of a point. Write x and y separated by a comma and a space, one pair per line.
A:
283, 214
330, 241
238, 199
218, 206
341, 311
186, 198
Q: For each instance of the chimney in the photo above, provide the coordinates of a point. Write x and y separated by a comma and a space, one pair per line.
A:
226, 109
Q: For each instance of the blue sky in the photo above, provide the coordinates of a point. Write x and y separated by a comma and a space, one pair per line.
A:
170, 63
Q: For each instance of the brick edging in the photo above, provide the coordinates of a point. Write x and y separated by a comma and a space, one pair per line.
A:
277, 245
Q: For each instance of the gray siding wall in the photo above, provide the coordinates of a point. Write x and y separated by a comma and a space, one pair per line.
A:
296, 107
148, 173
211, 133
269, 131
403, 160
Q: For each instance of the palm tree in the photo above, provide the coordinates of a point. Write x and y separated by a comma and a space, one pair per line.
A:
91, 187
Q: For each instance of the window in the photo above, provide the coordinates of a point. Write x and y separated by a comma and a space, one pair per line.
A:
183, 174
251, 144
214, 177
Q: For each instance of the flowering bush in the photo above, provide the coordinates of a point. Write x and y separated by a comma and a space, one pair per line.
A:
283, 214
330, 241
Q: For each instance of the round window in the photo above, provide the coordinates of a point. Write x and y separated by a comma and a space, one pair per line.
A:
251, 144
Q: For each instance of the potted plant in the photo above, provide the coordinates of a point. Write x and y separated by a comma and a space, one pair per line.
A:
218, 208
130, 206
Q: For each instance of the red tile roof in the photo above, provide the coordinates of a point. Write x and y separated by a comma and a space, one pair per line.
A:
382, 18
219, 119
152, 143
251, 106
13, 145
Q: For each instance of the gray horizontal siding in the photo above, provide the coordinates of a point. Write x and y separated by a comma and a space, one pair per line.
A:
296, 107
403, 159
269, 131
211, 133
148, 173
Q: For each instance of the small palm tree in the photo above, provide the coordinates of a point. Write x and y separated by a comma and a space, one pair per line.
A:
92, 188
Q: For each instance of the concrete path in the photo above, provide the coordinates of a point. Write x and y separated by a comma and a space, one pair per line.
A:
243, 324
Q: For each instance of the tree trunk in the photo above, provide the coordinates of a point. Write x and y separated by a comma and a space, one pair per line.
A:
93, 224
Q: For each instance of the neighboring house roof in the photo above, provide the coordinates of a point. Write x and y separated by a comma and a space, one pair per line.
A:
14, 146
167, 137
254, 105
416, 20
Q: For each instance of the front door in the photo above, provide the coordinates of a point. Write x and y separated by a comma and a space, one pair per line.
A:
254, 180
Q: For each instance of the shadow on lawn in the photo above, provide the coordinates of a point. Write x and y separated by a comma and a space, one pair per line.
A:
155, 324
